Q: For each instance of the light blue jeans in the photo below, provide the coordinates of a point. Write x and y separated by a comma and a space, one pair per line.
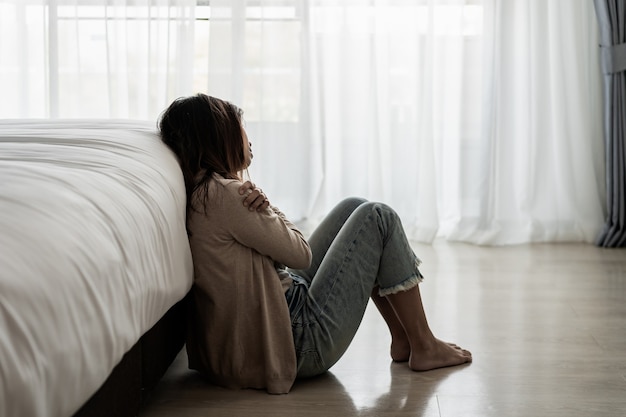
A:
359, 246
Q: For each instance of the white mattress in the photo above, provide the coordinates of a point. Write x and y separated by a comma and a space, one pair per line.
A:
93, 251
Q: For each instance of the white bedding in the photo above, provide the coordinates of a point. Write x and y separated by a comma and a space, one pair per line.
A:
93, 251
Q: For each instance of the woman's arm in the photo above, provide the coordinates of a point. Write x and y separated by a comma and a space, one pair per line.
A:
266, 230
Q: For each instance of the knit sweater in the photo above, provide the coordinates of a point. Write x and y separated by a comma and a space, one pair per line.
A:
239, 333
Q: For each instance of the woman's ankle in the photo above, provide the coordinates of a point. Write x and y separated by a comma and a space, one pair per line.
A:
400, 350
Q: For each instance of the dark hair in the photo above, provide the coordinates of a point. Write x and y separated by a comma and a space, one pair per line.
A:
205, 133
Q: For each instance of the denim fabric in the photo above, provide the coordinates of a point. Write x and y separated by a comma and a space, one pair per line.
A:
358, 246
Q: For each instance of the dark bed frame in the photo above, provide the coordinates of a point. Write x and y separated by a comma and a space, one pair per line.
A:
131, 381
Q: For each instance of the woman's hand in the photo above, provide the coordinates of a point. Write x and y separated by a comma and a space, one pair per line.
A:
255, 198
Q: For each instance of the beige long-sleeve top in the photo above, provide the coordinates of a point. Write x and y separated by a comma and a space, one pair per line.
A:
239, 333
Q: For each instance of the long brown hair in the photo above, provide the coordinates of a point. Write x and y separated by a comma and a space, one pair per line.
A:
205, 133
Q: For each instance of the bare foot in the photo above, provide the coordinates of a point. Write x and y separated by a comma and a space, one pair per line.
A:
401, 350
439, 355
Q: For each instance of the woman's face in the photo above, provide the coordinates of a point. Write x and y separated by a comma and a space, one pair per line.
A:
247, 148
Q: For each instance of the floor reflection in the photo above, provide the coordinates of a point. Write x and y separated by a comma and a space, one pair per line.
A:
399, 391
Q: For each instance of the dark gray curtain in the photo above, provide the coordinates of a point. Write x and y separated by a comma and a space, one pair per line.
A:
612, 20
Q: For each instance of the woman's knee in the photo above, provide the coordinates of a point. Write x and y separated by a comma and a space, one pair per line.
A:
381, 209
344, 209
351, 202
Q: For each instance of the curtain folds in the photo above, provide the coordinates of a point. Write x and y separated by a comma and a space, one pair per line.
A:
100, 58
461, 115
477, 120
611, 16
538, 174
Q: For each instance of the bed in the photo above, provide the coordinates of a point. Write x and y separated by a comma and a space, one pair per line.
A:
94, 266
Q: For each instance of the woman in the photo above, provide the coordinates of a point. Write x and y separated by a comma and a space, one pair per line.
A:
268, 306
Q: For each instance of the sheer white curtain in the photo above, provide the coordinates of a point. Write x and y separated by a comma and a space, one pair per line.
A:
94, 58
353, 98
477, 120
537, 171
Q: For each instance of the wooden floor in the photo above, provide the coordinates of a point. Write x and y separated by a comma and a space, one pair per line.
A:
546, 325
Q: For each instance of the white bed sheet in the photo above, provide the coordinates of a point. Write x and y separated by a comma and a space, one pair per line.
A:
93, 251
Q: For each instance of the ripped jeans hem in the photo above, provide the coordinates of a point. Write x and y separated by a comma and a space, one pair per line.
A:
405, 285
